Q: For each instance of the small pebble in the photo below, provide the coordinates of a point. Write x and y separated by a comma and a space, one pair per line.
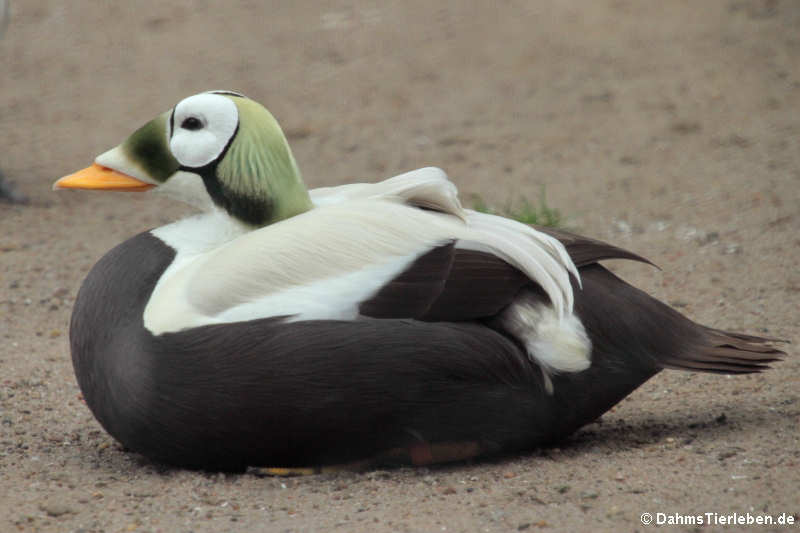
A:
56, 509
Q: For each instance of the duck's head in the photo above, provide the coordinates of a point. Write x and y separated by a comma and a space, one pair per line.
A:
212, 149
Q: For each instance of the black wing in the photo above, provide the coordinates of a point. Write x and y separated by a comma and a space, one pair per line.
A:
447, 284
585, 251
453, 284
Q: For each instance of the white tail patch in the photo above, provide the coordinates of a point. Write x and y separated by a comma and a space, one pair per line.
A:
557, 344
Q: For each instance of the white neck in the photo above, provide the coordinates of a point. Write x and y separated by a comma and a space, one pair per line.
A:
201, 233
186, 187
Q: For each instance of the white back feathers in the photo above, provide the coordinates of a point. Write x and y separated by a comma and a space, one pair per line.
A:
425, 187
359, 234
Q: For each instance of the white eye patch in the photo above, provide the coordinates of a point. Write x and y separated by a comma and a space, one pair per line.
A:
201, 127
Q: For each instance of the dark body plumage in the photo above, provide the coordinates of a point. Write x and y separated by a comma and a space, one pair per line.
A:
265, 392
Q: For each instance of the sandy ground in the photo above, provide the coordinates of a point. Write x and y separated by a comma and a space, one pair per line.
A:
670, 128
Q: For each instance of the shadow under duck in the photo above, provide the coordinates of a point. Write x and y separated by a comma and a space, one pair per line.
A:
379, 322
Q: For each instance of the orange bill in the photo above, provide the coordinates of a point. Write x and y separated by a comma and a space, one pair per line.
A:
101, 178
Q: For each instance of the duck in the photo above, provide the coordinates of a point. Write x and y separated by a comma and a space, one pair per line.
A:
368, 322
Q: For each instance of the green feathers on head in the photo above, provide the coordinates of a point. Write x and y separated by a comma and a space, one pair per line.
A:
253, 177
148, 147
259, 167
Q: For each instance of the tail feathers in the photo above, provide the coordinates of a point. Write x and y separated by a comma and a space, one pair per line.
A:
750, 339
628, 327
724, 352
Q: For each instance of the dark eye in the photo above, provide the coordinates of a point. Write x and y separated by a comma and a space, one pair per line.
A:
191, 123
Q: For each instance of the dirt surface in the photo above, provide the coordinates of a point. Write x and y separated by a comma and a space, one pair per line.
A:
670, 128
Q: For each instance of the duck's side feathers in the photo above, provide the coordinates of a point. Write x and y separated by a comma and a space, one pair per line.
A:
267, 391
383, 290
330, 259
113, 368
290, 267
331, 391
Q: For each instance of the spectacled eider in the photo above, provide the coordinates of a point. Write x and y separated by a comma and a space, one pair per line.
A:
287, 327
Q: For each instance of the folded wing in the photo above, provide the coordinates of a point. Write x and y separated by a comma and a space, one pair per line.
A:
399, 248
